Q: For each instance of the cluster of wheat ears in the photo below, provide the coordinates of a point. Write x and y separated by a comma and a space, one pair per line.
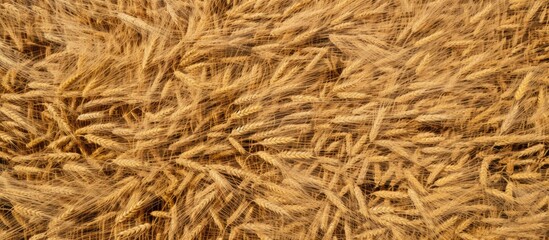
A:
274, 119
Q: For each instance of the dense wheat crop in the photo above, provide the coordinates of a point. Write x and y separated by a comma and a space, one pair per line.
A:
274, 119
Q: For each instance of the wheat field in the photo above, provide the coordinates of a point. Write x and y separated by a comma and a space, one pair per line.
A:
274, 119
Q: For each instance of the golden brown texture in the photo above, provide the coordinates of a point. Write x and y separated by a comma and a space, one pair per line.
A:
274, 119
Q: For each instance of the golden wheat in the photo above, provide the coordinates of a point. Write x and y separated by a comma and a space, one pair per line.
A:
263, 119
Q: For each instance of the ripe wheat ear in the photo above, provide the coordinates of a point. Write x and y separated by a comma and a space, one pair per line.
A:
273, 119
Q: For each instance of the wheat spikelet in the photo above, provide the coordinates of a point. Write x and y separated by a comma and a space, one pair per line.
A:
316, 60
6, 137
28, 212
248, 128
526, 176
448, 179
63, 157
205, 200
27, 169
508, 121
421, 207
104, 142
62, 123
161, 214
429, 38
277, 141
18, 119
129, 163
531, 150
377, 124
500, 194
524, 86
390, 194
236, 145
74, 167
295, 155
237, 213
136, 22
137, 230
334, 199
447, 224
95, 128
271, 206
269, 158
394, 147
61, 218
304, 36
130, 210
246, 99
37, 141
60, 141
482, 73
390, 218
193, 151
235, 172
220, 180
414, 183
189, 163
245, 112
335, 221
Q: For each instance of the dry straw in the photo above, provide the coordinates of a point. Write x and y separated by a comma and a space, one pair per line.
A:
272, 119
